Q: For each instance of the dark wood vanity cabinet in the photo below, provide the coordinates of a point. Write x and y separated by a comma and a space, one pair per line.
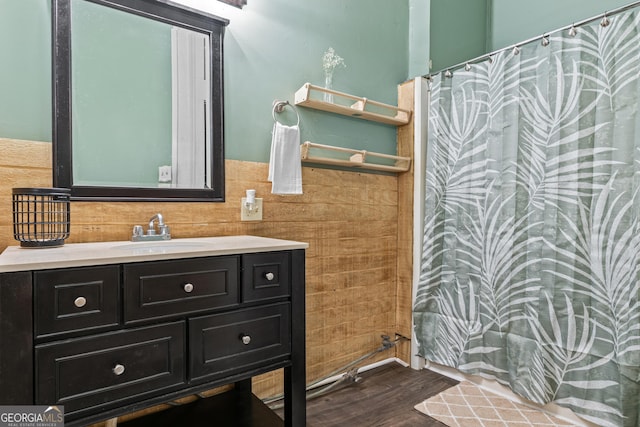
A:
110, 339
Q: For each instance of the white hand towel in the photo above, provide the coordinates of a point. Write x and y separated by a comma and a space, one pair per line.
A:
285, 168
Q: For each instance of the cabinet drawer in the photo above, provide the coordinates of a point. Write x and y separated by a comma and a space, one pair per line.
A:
265, 276
104, 370
222, 344
174, 288
76, 299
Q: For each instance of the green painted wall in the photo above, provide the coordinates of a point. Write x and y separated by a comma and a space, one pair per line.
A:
419, 54
458, 31
514, 21
461, 30
25, 69
273, 47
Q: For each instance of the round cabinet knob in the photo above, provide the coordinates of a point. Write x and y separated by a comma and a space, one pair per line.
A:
118, 369
188, 287
246, 339
80, 302
269, 276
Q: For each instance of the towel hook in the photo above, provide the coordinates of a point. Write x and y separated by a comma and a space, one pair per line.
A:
278, 107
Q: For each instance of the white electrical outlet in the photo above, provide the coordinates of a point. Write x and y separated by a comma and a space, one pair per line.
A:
164, 174
254, 214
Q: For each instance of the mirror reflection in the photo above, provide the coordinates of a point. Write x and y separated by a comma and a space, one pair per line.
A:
145, 100
140, 100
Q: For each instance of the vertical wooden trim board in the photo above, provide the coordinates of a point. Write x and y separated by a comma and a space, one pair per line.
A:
404, 279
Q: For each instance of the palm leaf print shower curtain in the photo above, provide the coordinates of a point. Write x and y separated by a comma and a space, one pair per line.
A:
530, 270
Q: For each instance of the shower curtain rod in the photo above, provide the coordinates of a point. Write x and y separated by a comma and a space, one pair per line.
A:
532, 39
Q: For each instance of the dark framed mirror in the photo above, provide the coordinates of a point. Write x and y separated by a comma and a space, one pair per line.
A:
137, 101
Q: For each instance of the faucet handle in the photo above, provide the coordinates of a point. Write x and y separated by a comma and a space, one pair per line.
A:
137, 231
164, 230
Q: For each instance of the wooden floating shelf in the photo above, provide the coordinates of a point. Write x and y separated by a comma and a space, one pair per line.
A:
342, 103
357, 159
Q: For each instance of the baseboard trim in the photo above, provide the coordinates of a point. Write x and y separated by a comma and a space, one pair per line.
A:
365, 368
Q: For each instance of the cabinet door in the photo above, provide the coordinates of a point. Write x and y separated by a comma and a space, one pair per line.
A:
166, 289
107, 369
76, 300
224, 344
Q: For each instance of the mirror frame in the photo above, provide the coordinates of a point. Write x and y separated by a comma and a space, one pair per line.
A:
159, 10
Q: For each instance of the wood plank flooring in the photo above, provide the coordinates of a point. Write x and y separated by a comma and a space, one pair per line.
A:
385, 397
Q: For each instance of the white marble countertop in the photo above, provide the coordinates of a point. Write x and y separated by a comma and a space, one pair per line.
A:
16, 258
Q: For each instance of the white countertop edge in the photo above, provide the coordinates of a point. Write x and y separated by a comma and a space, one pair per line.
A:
15, 258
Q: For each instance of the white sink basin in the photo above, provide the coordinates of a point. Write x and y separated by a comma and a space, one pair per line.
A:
159, 247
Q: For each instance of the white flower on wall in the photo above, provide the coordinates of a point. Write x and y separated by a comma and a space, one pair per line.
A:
330, 61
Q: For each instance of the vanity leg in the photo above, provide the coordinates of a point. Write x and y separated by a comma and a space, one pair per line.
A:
16, 339
243, 386
295, 401
113, 422
295, 376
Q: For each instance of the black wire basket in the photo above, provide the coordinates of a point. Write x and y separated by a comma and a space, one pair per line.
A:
41, 216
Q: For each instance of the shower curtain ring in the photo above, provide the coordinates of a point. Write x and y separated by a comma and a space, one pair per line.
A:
573, 31
448, 73
605, 21
545, 40
467, 67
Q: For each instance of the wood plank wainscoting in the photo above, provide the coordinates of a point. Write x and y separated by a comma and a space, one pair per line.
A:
358, 226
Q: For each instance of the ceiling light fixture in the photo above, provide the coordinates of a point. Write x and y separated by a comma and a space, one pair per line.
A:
226, 9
